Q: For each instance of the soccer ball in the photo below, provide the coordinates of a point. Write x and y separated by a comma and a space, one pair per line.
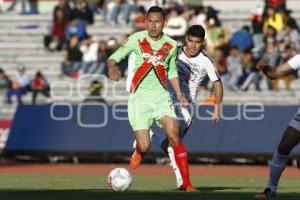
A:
119, 179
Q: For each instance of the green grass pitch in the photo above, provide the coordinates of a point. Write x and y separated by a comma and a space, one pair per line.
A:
50, 187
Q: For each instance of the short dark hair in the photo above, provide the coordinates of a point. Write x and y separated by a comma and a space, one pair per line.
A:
196, 31
156, 9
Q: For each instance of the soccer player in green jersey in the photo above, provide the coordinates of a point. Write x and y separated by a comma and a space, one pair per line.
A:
155, 62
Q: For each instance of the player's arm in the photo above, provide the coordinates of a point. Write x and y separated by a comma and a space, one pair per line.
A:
174, 80
176, 87
214, 77
122, 52
275, 72
219, 97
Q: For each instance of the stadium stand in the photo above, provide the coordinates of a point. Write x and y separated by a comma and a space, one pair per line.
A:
21, 45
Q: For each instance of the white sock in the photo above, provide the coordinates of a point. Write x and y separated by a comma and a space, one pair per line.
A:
175, 167
277, 166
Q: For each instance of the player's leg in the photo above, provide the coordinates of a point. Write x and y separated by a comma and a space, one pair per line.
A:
171, 129
140, 116
143, 142
288, 141
184, 119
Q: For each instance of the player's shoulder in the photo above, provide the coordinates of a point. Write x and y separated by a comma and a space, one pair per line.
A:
171, 41
137, 35
207, 56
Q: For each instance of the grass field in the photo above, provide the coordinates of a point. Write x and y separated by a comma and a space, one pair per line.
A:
54, 187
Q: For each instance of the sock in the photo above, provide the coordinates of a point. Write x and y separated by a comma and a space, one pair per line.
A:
277, 166
175, 167
181, 159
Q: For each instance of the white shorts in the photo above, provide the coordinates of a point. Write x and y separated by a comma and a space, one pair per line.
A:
184, 117
295, 122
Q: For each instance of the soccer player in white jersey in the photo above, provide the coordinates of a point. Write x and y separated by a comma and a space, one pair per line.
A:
291, 136
193, 65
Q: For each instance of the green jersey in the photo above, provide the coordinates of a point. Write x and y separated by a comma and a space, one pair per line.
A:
153, 61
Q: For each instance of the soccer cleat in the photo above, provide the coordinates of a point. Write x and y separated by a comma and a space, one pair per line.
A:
135, 160
188, 188
266, 194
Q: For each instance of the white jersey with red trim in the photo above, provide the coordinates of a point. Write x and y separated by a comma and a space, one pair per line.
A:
192, 71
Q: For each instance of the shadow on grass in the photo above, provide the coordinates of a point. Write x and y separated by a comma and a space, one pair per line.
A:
209, 193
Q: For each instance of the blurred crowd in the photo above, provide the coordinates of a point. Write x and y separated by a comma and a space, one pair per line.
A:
272, 34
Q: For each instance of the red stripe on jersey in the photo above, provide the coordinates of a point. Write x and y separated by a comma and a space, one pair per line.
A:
151, 62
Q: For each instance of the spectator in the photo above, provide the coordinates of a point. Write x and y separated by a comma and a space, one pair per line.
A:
291, 31
39, 85
176, 26
5, 81
274, 19
287, 17
224, 45
1, 6
270, 34
19, 86
33, 7
101, 8
250, 72
63, 4
57, 38
89, 49
81, 9
199, 17
234, 69
76, 27
95, 93
138, 22
220, 59
213, 35
277, 4
103, 55
212, 14
193, 3
173, 5
272, 56
242, 39
72, 59
15, 2
121, 6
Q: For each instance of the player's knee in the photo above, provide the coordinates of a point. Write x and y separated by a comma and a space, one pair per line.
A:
174, 140
144, 147
283, 149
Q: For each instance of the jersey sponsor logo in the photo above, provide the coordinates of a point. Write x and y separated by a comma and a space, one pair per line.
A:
153, 60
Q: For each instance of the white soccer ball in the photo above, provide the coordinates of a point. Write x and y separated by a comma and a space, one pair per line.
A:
119, 179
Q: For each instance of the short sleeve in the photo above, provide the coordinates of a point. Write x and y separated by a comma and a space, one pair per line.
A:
123, 51
211, 71
294, 62
172, 69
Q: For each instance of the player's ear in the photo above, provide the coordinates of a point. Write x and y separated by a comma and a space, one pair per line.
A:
203, 43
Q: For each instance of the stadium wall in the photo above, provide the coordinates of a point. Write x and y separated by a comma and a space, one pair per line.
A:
96, 128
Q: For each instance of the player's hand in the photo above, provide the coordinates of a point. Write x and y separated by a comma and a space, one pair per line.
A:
262, 65
182, 100
216, 117
114, 73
